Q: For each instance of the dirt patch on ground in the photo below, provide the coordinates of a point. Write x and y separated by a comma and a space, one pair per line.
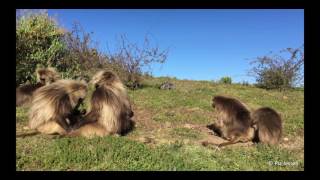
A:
294, 144
153, 132
143, 118
210, 137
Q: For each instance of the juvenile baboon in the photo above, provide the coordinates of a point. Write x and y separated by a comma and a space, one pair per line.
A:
268, 125
110, 110
53, 105
45, 76
233, 120
167, 85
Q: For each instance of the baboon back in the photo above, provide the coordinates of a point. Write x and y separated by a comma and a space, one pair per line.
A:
269, 125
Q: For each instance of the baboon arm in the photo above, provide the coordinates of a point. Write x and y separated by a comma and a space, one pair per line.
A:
233, 141
91, 117
206, 143
216, 128
228, 143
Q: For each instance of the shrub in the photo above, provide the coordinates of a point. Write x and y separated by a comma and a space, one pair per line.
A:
281, 71
82, 59
226, 80
38, 42
133, 60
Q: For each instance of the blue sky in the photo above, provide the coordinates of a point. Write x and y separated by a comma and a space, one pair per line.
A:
204, 44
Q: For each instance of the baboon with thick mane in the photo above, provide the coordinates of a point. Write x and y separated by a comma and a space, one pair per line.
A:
268, 125
45, 76
233, 120
110, 110
53, 106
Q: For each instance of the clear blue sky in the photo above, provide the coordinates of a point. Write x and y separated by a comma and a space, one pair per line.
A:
204, 44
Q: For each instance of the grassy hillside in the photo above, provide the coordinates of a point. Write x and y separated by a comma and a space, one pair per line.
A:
170, 126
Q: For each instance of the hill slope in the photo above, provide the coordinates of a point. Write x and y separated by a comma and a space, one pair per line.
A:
170, 125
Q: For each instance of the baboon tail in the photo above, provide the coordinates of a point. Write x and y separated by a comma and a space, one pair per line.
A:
206, 143
23, 135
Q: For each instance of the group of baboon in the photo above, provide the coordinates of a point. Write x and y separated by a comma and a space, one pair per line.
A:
54, 104
236, 123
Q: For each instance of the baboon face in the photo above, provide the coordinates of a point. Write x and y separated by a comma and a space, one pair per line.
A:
42, 76
104, 78
80, 93
213, 104
46, 75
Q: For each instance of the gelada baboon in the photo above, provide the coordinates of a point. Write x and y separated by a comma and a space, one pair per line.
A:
110, 110
167, 85
233, 120
53, 106
45, 76
268, 125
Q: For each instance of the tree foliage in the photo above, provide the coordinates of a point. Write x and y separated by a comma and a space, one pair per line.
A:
38, 42
226, 80
279, 71
41, 41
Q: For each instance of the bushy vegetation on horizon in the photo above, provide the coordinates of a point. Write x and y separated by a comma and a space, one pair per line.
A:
41, 41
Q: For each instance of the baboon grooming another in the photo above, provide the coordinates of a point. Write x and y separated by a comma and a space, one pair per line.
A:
53, 105
45, 76
234, 122
110, 110
268, 125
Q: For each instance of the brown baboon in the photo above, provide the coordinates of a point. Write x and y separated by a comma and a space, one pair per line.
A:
167, 85
234, 121
53, 105
110, 110
268, 125
45, 76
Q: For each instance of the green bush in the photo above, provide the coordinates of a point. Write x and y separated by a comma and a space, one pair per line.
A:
41, 41
273, 79
283, 70
226, 80
38, 42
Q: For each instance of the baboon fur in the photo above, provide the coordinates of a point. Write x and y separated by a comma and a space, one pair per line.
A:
234, 121
268, 125
110, 110
167, 85
45, 76
53, 105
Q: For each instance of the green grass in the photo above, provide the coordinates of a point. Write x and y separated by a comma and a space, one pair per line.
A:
165, 116
114, 153
21, 115
185, 133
